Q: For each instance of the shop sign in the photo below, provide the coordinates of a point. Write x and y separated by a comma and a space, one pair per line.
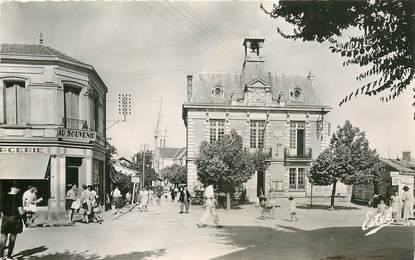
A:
12, 149
135, 179
395, 180
76, 134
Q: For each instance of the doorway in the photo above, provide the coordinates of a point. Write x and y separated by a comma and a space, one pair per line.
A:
260, 183
72, 171
300, 142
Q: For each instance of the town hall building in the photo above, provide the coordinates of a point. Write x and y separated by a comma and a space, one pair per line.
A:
280, 114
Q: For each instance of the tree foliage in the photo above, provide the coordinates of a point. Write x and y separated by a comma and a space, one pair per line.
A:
174, 174
150, 173
384, 44
348, 159
224, 163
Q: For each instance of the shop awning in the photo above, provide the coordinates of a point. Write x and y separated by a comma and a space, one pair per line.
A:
124, 170
24, 166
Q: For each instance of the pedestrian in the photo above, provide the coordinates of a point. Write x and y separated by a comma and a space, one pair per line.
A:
30, 207
27, 196
128, 198
172, 194
85, 202
116, 199
11, 220
184, 200
210, 209
150, 197
292, 209
396, 206
144, 200
71, 197
176, 192
382, 208
261, 196
159, 193
96, 209
408, 205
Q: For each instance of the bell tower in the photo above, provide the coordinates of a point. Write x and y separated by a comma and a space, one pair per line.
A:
253, 66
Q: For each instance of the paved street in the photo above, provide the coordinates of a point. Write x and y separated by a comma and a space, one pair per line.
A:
162, 233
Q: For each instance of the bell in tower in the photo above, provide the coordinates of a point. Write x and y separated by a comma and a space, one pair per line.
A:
253, 66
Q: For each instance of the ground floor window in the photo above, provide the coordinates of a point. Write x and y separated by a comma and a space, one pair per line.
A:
277, 185
297, 179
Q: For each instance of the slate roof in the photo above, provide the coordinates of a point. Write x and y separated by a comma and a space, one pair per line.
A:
233, 87
397, 164
33, 49
170, 152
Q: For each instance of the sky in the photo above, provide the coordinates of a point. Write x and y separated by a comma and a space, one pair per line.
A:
146, 49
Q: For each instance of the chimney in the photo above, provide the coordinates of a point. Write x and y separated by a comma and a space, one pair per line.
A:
189, 87
406, 156
311, 75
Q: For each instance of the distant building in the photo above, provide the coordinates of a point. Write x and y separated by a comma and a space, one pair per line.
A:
52, 123
281, 114
398, 173
167, 156
124, 166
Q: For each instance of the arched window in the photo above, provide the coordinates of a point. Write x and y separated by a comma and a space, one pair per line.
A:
15, 103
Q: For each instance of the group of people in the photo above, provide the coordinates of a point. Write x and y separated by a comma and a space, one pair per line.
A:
83, 200
401, 206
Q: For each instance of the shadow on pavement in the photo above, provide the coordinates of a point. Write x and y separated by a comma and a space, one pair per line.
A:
345, 243
30, 252
82, 256
325, 207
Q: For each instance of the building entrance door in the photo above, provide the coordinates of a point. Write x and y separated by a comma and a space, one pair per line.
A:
72, 171
260, 183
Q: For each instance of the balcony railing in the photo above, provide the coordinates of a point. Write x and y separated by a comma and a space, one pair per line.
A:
75, 124
293, 154
267, 151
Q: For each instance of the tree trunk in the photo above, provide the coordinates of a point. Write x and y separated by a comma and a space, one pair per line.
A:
333, 193
228, 200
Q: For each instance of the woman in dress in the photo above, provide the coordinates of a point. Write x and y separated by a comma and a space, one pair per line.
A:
396, 206
408, 204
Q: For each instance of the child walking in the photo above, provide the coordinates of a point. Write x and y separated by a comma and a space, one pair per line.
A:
292, 208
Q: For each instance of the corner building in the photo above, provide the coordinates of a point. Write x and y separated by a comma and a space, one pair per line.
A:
52, 123
278, 113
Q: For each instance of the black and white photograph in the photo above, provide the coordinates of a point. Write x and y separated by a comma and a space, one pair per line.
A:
196, 130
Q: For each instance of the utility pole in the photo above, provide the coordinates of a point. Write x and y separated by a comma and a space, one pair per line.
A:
144, 147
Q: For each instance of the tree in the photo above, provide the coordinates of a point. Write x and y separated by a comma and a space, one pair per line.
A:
150, 173
348, 159
224, 164
174, 174
384, 44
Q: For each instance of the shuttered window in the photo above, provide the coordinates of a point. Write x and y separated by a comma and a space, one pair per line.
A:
15, 103
71, 102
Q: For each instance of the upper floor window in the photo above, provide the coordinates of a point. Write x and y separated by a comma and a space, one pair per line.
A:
297, 136
71, 108
216, 130
257, 134
15, 104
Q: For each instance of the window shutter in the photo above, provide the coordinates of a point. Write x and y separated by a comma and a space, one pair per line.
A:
10, 106
21, 105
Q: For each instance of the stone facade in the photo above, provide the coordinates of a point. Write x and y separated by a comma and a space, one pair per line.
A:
278, 113
52, 123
